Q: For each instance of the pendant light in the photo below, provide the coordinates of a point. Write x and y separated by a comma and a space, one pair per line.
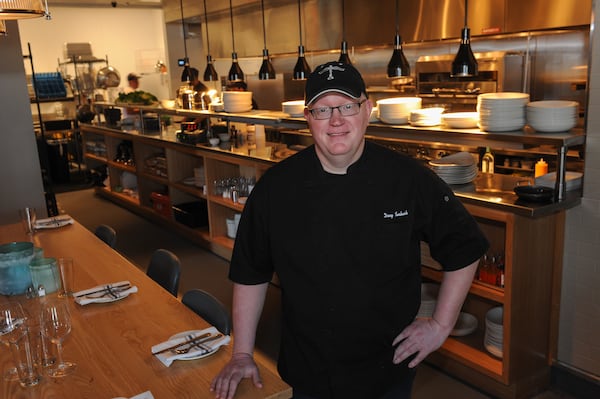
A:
210, 73
23, 9
301, 69
235, 72
398, 65
464, 64
266, 69
344, 48
186, 75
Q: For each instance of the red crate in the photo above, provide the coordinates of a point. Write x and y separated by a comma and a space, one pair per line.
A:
161, 203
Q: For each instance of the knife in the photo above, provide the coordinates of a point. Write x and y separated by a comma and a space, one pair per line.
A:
202, 338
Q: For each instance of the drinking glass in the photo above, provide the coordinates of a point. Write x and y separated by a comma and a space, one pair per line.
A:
55, 322
11, 317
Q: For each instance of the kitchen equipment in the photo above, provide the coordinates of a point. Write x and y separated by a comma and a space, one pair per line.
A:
535, 193
498, 71
14, 267
107, 77
187, 97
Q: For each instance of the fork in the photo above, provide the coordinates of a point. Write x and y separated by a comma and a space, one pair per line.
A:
112, 291
200, 344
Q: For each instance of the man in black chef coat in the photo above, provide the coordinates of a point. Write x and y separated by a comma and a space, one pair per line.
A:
341, 224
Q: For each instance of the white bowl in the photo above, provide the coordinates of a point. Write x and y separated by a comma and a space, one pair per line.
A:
224, 136
461, 120
214, 141
167, 103
293, 108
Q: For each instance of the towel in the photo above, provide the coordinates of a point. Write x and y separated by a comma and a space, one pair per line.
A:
105, 293
202, 350
53, 222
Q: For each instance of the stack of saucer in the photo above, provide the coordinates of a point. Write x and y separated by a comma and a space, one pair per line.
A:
426, 116
552, 116
459, 168
502, 112
494, 331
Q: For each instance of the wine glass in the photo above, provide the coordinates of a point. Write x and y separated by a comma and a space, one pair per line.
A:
55, 322
11, 317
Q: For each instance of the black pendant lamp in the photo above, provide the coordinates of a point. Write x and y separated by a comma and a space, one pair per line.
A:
398, 65
210, 73
235, 72
301, 69
464, 64
344, 57
186, 75
266, 69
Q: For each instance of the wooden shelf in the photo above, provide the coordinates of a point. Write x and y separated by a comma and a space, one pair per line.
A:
478, 288
89, 155
226, 202
122, 166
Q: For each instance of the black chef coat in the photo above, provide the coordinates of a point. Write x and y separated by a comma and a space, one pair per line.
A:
346, 249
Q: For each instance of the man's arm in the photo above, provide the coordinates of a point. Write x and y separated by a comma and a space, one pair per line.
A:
248, 301
424, 336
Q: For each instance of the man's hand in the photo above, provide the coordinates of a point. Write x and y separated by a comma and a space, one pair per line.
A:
240, 366
421, 337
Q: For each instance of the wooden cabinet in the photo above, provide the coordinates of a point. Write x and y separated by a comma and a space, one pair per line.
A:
532, 249
172, 183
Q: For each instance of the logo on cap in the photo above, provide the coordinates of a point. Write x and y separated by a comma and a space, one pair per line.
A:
330, 68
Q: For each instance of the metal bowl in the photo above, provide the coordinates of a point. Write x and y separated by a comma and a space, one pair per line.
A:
107, 77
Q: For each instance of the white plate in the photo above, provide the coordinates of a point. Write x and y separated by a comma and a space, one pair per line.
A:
199, 355
465, 325
494, 350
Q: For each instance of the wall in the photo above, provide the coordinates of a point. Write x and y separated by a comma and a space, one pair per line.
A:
579, 346
20, 172
133, 39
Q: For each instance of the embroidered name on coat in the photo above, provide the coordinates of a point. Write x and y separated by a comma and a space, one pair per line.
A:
395, 214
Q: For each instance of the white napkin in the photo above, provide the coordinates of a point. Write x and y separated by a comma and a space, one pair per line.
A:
167, 358
99, 294
53, 222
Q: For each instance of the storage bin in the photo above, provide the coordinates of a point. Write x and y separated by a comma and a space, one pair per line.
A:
192, 214
161, 203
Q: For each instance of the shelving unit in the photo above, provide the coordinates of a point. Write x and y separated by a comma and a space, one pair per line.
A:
531, 246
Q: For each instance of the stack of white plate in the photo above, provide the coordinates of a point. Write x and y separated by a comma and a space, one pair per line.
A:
461, 120
237, 101
426, 116
502, 112
552, 116
429, 294
396, 110
294, 108
459, 168
494, 331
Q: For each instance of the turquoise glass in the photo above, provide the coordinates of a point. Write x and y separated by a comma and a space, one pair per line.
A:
14, 267
44, 272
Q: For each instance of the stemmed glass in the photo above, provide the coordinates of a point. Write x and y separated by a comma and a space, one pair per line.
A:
55, 323
11, 317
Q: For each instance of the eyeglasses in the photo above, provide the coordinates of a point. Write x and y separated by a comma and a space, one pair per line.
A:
349, 109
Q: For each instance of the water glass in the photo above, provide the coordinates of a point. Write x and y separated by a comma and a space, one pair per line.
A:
28, 219
44, 272
65, 269
55, 322
24, 356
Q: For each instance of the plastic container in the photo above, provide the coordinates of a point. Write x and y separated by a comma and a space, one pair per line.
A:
161, 203
15, 278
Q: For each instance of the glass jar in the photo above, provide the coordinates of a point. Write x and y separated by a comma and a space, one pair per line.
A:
44, 271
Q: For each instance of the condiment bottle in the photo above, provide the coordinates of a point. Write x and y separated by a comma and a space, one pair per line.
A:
541, 167
487, 161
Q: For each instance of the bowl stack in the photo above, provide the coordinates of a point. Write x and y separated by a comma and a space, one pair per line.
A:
552, 116
461, 120
502, 112
459, 168
426, 117
494, 331
293, 108
429, 293
237, 101
396, 111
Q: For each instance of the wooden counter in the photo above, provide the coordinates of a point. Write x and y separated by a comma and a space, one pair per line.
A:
111, 342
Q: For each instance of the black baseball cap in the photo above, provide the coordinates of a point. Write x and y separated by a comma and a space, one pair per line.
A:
133, 76
335, 77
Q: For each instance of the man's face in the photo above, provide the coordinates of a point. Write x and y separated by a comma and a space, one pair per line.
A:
134, 83
339, 140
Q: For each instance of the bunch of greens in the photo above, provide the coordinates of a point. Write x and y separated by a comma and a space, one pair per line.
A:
137, 97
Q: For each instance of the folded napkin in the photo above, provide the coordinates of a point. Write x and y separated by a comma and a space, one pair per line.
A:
105, 293
53, 222
143, 395
196, 352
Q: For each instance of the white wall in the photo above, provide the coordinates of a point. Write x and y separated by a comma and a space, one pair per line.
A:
132, 38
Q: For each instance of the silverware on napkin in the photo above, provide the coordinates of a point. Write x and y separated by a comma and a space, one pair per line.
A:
194, 341
107, 289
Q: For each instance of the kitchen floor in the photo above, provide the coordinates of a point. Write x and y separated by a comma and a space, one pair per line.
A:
137, 238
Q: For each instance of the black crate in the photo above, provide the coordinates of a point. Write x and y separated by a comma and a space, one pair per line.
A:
192, 214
